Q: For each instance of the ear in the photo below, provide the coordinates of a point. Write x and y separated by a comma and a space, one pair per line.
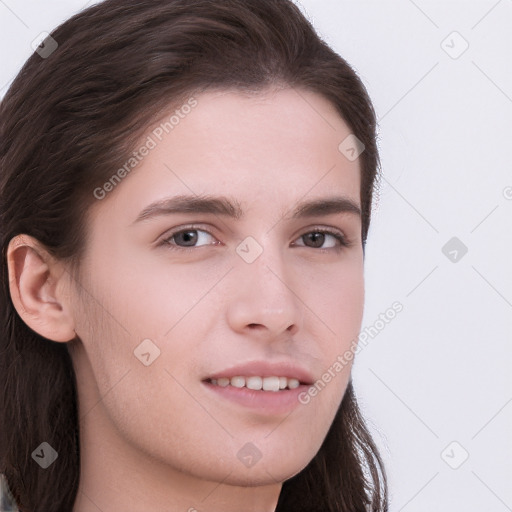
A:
37, 284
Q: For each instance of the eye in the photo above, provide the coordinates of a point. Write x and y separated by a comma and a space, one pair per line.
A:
318, 238
189, 237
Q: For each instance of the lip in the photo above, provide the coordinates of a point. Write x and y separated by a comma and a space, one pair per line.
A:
273, 403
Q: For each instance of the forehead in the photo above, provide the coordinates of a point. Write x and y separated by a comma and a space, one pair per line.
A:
269, 148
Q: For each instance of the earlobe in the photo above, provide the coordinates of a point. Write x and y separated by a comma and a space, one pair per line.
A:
36, 282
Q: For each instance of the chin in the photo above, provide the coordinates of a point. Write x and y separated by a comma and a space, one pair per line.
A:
269, 469
268, 475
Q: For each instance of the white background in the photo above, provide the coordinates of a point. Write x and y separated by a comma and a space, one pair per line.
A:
439, 372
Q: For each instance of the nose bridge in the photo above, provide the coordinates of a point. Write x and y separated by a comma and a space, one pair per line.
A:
264, 292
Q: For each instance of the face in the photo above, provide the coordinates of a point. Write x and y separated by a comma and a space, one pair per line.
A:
184, 314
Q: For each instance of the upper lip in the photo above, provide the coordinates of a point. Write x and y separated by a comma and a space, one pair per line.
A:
266, 369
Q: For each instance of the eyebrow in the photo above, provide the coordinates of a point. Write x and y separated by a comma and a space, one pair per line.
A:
222, 205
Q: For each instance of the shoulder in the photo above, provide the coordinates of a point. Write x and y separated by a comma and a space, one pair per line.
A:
7, 503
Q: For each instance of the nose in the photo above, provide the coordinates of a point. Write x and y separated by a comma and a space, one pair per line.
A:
265, 300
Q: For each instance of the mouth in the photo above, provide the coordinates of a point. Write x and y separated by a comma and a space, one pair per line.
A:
268, 389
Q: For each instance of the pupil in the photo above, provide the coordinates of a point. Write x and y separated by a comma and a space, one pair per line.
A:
318, 237
189, 239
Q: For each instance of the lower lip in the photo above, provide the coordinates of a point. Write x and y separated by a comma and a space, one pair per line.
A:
266, 402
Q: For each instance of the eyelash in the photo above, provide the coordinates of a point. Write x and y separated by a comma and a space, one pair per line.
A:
343, 241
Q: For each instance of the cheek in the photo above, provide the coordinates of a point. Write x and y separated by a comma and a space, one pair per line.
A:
148, 299
338, 301
336, 297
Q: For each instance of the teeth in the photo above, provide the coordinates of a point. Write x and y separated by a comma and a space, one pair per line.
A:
258, 383
238, 382
271, 384
293, 383
254, 383
223, 382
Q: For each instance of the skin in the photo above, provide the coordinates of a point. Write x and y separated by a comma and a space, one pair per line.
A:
152, 437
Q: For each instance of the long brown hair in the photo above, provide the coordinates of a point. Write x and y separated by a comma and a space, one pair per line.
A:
72, 117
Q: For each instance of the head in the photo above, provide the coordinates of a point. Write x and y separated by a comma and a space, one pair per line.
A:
103, 300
